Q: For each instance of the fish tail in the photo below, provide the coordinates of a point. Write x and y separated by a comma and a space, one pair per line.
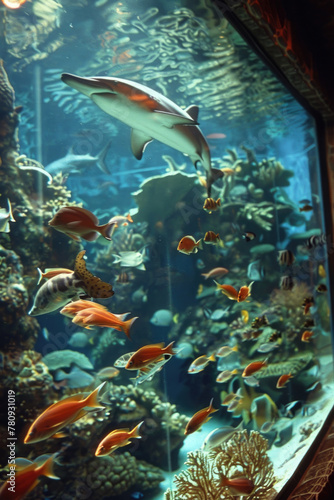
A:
107, 230
169, 349
10, 211
126, 325
200, 244
212, 357
46, 468
135, 431
92, 285
235, 348
129, 218
101, 157
206, 275
40, 276
92, 399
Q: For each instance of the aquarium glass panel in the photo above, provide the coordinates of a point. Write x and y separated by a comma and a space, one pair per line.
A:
162, 244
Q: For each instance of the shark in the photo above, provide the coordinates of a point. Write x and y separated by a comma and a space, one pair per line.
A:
151, 116
74, 164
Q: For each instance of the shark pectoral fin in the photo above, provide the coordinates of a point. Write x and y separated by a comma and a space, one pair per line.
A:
139, 141
169, 120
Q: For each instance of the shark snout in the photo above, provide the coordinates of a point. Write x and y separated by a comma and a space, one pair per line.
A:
87, 86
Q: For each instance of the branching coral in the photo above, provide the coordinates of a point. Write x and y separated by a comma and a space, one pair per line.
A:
244, 455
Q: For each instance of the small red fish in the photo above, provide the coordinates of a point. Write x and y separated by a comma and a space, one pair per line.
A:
116, 439
238, 486
77, 222
26, 476
307, 335
233, 294
199, 419
211, 238
254, 367
147, 354
72, 308
210, 205
283, 380
104, 319
61, 414
217, 272
189, 245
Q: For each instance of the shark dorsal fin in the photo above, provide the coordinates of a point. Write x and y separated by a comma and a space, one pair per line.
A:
193, 112
139, 141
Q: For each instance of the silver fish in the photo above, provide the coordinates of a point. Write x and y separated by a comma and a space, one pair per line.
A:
56, 293
75, 164
267, 347
219, 436
130, 259
6, 216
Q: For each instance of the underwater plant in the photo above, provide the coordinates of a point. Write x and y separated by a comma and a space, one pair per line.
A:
242, 457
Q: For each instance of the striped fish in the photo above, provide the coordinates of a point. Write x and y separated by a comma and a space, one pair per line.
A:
61, 289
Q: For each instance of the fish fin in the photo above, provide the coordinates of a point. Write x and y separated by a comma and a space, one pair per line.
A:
91, 401
22, 463
59, 435
101, 157
93, 285
135, 430
200, 244
46, 469
107, 230
40, 275
11, 216
169, 349
91, 236
169, 120
141, 267
139, 141
129, 218
126, 325
211, 177
73, 236
193, 111
212, 357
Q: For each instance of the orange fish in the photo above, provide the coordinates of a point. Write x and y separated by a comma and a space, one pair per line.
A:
51, 272
283, 380
104, 319
233, 294
117, 438
254, 367
210, 205
199, 419
189, 245
244, 292
238, 486
216, 272
73, 308
61, 414
26, 476
211, 238
147, 354
77, 222
307, 335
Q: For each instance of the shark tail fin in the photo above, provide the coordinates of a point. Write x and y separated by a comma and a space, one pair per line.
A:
101, 157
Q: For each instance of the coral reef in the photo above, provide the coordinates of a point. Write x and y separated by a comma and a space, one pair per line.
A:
244, 455
64, 359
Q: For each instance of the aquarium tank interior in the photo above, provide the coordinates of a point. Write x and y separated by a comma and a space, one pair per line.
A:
164, 294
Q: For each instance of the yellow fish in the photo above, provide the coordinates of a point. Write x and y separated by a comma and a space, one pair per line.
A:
245, 315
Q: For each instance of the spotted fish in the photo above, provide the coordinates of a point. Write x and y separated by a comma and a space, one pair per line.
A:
60, 289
